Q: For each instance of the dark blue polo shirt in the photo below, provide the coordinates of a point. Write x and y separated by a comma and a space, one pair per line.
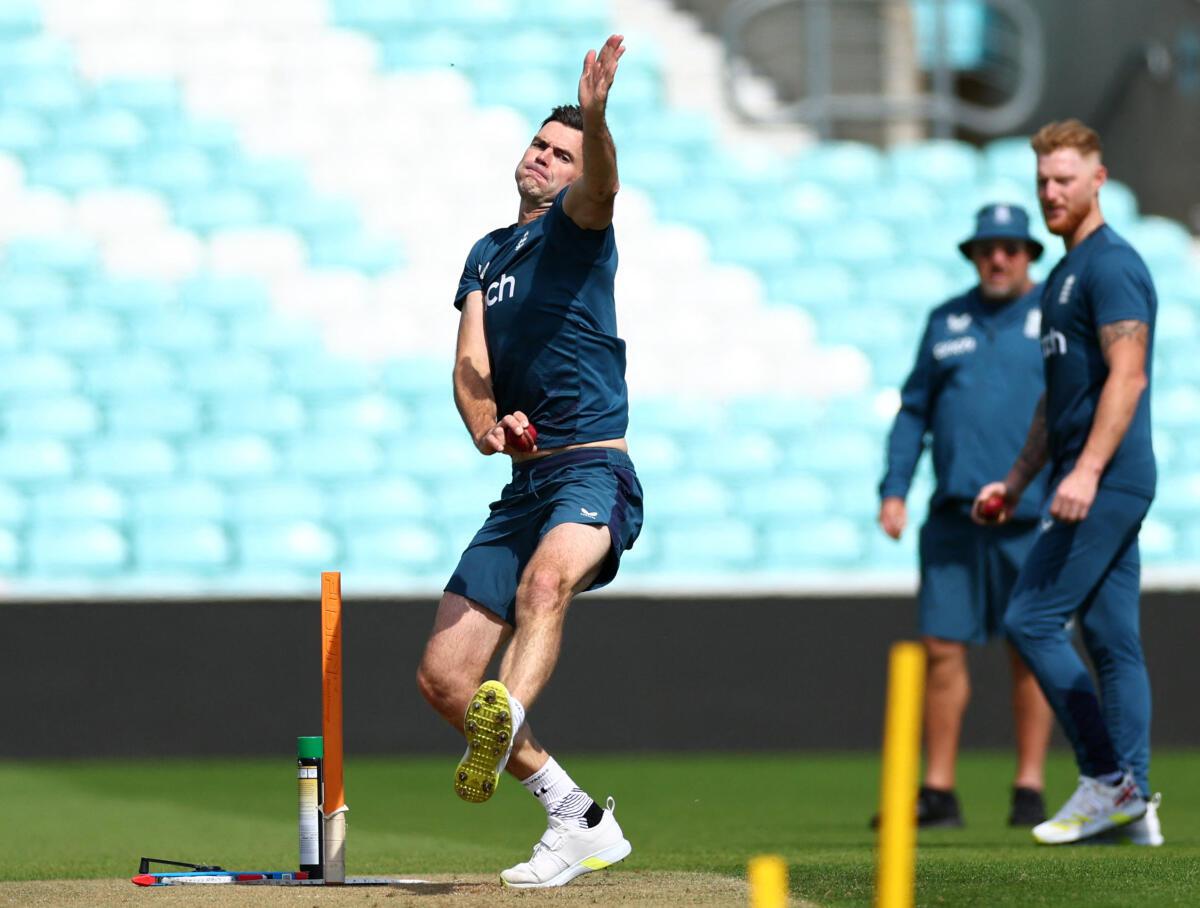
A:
551, 326
1100, 281
973, 391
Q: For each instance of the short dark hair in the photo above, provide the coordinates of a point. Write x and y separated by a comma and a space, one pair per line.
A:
566, 114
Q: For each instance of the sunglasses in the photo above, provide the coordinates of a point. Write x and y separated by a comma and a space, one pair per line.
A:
1010, 248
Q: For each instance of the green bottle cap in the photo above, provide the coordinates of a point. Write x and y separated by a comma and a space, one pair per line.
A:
310, 748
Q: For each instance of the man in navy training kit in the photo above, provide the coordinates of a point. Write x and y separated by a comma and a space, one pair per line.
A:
538, 352
1093, 427
977, 377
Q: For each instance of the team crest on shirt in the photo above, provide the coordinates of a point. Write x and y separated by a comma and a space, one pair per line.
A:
483, 269
1064, 295
1033, 323
521, 241
958, 323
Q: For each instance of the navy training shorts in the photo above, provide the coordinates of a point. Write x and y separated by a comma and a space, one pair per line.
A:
596, 486
967, 574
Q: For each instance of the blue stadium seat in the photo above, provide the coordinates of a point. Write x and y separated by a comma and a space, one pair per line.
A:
40, 291
839, 451
128, 295
916, 286
64, 416
177, 544
814, 285
296, 544
69, 254
372, 414
689, 497
714, 209
181, 499
333, 455
105, 131
862, 243
276, 332
33, 53
309, 213
789, 419
129, 457
185, 130
267, 177
807, 205
901, 203
440, 457
965, 33
399, 544
316, 374
831, 543
11, 335
211, 209
268, 412
705, 547
679, 415
461, 505
20, 17
1119, 204
175, 169
152, 99
419, 376
131, 372
757, 245
855, 166
657, 169
654, 453
275, 499
391, 498
179, 331
150, 412
50, 93
72, 171
1011, 158
1159, 240
227, 372
35, 459
14, 507
238, 295
23, 132
76, 333
748, 455
37, 373
10, 551
233, 456
85, 499
943, 163
76, 549
797, 496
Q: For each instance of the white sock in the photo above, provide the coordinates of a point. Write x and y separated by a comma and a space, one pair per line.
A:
518, 714
551, 785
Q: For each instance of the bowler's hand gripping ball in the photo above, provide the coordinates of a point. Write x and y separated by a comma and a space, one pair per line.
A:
523, 442
992, 507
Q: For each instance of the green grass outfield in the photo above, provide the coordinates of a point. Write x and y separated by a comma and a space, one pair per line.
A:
705, 813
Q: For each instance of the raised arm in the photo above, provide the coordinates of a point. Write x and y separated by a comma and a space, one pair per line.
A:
589, 200
1123, 344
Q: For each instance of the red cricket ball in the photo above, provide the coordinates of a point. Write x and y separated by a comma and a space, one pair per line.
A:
992, 507
523, 442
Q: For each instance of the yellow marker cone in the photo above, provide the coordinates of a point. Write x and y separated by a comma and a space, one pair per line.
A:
895, 882
768, 882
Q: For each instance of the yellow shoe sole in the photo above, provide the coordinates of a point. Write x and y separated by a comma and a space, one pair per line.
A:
487, 725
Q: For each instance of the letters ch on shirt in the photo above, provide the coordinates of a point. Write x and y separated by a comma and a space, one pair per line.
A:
499, 291
1054, 343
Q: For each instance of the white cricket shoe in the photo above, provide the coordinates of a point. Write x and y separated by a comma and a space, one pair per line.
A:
1146, 831
1093, 808
569, 849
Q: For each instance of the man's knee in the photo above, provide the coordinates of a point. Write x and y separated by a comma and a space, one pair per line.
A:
944, 653
544, 590
445, 690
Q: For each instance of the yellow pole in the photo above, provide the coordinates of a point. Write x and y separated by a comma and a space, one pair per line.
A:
895, 882
768, 882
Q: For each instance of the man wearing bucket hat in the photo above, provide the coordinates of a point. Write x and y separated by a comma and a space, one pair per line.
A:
976, 381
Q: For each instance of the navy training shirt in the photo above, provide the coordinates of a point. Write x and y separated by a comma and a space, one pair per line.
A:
551, 325
974, 388
1100, 281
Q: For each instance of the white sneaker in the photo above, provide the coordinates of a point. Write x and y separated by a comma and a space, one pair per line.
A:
1146, 831
1093, 809
568, 849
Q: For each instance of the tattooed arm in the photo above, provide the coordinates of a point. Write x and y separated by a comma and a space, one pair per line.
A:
1032, 457
1124, 345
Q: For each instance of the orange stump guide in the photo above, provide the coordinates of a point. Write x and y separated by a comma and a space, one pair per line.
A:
334, 806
